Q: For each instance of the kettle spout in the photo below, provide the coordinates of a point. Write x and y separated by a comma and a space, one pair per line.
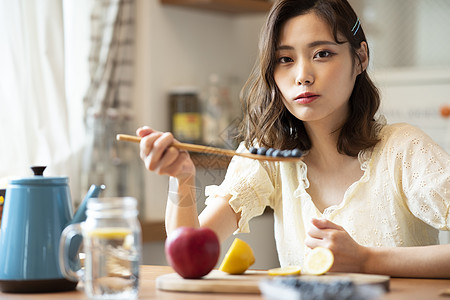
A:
80, 215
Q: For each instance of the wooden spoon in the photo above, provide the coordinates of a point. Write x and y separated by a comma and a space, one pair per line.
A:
210, 150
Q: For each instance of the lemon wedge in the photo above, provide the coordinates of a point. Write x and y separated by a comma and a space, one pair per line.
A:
319, 261
109, 233
238, 258
285, 271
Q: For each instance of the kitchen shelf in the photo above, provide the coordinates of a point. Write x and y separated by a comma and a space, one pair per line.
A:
226, 6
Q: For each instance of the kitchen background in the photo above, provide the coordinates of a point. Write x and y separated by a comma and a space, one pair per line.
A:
177, 47
409, 42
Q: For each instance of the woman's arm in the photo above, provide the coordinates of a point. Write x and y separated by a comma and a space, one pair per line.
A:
181, 210
425, 261
219, 216
161, 158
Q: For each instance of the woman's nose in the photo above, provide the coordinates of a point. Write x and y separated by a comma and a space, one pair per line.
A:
304, 75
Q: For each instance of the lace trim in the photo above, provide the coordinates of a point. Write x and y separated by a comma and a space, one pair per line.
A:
301, 189
364, 158
213, 191
365, 155
217, 191
238, 202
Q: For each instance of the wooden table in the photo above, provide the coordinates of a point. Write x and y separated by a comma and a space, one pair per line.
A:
401, 288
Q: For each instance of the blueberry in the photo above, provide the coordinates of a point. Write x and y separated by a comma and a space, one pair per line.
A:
296, 153
269, 151
275, 152
261, 151
286, 153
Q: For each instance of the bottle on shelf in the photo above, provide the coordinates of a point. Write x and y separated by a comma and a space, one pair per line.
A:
185, 115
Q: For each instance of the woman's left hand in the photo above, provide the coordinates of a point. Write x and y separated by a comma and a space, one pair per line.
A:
349, 256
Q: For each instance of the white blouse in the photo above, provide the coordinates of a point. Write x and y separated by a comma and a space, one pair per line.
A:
403, 198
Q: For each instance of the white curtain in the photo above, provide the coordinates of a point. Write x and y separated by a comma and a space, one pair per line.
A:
38, 126
53, 55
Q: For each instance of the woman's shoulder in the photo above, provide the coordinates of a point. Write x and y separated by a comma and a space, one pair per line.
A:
405, 138
402, 132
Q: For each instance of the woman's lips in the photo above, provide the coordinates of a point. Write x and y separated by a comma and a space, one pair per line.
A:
306, 98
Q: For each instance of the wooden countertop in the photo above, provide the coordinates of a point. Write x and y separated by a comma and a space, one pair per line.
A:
400, 288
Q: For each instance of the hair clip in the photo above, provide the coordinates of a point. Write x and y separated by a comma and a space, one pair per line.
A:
357, 25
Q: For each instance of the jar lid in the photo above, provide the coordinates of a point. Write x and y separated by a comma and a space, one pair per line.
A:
112, 207
99, 204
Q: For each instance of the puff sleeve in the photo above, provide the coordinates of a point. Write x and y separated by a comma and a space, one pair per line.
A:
422, 171
249, 184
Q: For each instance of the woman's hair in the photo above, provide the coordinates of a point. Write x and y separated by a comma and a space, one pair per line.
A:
268, 122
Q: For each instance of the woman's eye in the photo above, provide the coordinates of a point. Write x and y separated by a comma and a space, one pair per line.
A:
323, 54
285, 59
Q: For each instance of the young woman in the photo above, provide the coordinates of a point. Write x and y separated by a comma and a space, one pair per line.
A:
375, 194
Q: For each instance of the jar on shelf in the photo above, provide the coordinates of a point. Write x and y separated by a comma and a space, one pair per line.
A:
185, 114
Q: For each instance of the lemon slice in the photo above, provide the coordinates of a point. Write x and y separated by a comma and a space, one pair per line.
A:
110, 233
319, 261
285, 271
238, 258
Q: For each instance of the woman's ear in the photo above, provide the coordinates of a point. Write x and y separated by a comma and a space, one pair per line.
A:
363, 55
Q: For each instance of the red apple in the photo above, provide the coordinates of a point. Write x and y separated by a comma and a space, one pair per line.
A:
192, 252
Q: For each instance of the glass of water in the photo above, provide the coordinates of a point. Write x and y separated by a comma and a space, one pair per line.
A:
112, 246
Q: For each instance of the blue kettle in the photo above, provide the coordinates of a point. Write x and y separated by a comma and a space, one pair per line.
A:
36, 211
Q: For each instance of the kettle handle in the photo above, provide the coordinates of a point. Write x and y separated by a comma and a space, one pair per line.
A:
69, 233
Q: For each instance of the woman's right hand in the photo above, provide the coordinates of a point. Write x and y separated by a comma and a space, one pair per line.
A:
160, 157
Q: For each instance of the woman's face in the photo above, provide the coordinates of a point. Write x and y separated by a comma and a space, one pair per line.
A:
315, 74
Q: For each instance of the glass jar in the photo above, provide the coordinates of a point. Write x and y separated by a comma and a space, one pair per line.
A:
112, 245
112, 249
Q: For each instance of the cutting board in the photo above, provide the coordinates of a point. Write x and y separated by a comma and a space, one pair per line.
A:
219, 282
